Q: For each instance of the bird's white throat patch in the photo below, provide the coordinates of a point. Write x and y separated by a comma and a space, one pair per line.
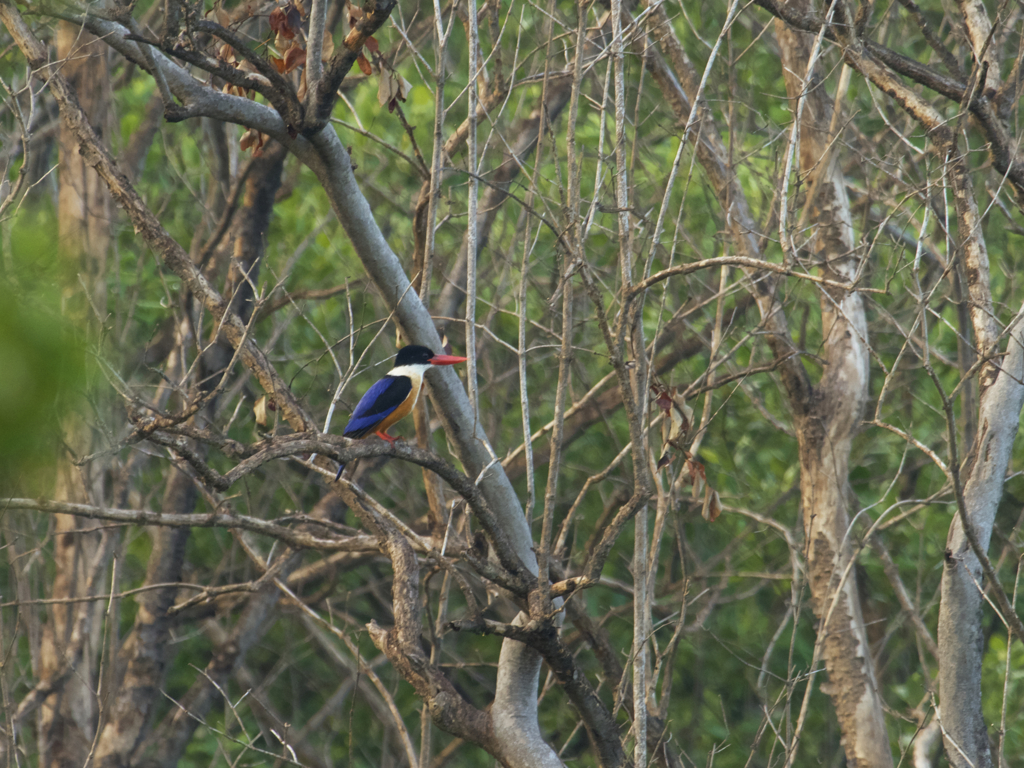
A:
414, 372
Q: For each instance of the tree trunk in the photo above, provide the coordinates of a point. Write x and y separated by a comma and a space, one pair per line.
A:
961, 639
826, 421
67, 719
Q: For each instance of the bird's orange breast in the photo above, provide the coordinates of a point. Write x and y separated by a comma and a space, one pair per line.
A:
405, 408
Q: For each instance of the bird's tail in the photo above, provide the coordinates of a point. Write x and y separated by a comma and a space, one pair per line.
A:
341, 468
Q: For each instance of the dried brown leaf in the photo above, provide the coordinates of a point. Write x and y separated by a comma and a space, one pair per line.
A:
260, 409
404, 87
252, 139
676, 425
295, 57
279, 23
364, 65
387, 88
712, 505
287, 21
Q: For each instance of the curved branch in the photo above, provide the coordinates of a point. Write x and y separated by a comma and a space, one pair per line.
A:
742, 261
198, 98
219, 519
1003, 148
282, 94
323, 92
401, 644
346, 450
259, 83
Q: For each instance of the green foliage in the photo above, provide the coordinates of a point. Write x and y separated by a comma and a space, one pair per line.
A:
44, 360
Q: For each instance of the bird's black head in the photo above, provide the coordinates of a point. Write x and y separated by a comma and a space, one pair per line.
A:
413, 355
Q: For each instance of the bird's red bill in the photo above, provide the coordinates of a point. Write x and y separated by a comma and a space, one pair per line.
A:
447, 360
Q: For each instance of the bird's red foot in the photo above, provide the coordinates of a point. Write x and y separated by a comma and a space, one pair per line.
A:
386, 436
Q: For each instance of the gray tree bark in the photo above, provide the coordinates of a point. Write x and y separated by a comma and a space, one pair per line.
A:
827, 420
960, 637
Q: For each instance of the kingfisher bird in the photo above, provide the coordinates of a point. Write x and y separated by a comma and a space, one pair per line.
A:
395, 395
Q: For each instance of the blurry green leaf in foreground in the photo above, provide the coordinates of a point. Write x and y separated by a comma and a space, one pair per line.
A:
40, 363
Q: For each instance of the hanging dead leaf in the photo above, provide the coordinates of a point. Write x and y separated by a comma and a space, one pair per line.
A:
392, 89
372, 45
278, 64
386, 88
678, 416
252, 139
682, 415
663, 400
673, 428
295, 57
328, 47
279, 23
260, 409
364, 65
286, 21
405, 87
302, 85
712, 505
692, 474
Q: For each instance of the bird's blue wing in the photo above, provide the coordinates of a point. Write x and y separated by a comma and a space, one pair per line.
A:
377, 404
